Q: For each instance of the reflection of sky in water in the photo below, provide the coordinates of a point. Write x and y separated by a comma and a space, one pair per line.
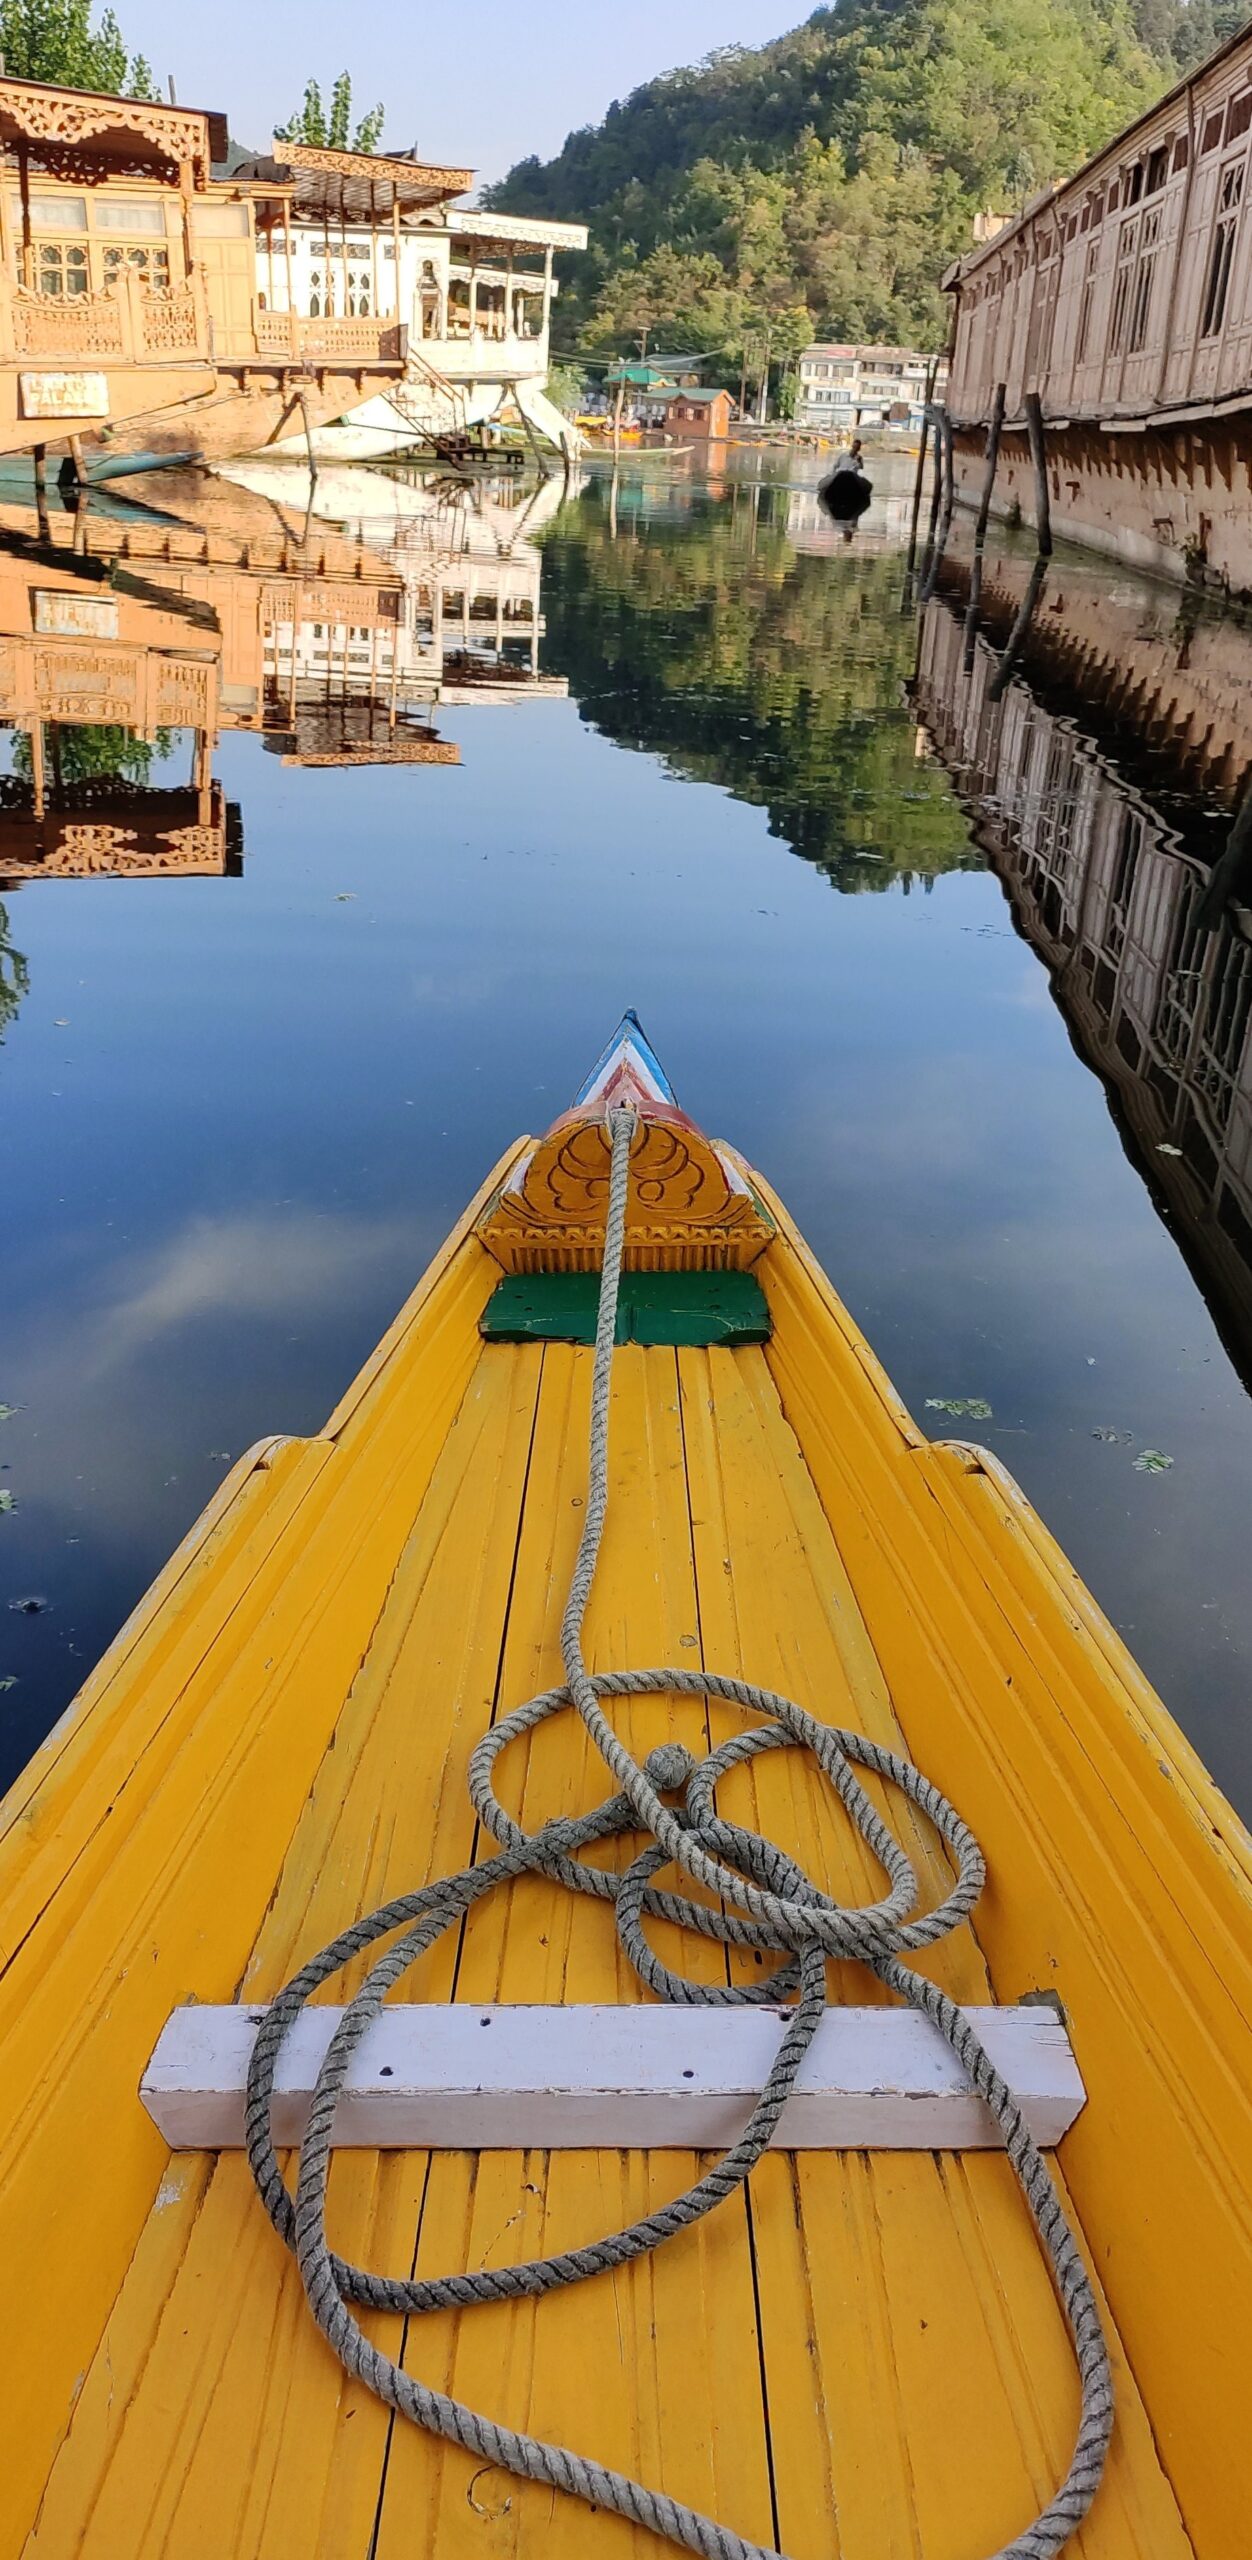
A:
270, 1099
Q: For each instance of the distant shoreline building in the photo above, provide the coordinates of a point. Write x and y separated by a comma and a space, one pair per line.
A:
1123, 299
845, 387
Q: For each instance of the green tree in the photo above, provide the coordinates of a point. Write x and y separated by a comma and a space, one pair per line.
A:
330, 129
566, 389
54, 40
95, 750
14, 975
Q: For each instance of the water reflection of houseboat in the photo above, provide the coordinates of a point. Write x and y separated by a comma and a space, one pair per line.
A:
198, 606
468, 562
1112, 883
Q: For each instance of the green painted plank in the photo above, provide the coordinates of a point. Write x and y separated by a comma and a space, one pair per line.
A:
686, 1309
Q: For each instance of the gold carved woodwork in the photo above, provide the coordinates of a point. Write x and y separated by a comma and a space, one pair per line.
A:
301, 600
406, 174
84, 851
691, 1208
72, 117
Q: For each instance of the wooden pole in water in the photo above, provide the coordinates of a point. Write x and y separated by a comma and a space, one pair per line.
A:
308, 439
617, 412
1033, 407
993, 456
931, 374
37, 766
1025, 616
945, 486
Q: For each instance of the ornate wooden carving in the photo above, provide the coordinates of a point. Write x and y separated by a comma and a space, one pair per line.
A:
691, 1208
375, 169
69, 118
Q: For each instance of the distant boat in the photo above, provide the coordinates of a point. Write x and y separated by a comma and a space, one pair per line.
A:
845, 495
280, 1738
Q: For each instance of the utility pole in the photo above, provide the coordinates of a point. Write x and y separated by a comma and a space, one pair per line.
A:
743, 379
644, 335
763, 411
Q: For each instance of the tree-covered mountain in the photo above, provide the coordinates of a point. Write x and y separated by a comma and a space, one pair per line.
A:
820, 184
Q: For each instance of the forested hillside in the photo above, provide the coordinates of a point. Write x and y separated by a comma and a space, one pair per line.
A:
820, 184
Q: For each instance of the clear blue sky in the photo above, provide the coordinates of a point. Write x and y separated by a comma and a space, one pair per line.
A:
480, 82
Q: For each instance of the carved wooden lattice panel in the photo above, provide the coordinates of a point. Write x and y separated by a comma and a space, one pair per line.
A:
93, 324
170, 322
88, 684
182, 692
275, 333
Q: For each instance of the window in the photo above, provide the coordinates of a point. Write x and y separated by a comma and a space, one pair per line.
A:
54, 213
129, 214
152, 264
220, 221
61, 269
1141, 299
1212, 133
1126, 249
1132, 184
1239, 116
1088, 297
1182, 153
1222, 253
1158, 169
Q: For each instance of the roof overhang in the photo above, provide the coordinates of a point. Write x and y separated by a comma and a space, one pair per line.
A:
354, 186
125, 129
519, 227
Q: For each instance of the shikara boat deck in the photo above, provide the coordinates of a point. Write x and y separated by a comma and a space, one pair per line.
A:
863, 2358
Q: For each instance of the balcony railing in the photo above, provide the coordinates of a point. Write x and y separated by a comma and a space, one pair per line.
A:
128, 323
295, 338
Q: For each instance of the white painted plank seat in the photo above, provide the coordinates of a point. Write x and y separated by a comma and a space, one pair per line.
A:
610, 2077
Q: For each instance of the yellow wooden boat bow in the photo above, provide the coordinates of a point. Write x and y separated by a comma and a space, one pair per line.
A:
861, 2353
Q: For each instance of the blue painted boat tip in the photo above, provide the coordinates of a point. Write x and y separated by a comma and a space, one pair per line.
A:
630, 1034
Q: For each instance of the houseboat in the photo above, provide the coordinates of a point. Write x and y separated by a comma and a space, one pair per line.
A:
149, 306
105, 218
1122, 299
343, 237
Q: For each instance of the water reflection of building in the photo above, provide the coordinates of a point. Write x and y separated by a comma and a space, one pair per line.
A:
468, 564
129, 628
1150, 962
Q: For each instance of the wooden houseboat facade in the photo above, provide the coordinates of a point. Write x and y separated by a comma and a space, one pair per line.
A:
104, 304
1122, 299
147, 305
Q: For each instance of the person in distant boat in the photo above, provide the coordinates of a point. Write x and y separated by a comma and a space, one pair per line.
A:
845, 493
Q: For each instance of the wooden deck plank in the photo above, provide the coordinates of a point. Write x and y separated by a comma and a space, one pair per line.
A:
1073, 1902
901, 2327
656, 2410
385, 1808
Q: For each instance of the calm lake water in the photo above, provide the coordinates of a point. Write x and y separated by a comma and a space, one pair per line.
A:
489, 772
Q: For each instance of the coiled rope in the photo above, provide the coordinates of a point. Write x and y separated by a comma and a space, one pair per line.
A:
769, 1904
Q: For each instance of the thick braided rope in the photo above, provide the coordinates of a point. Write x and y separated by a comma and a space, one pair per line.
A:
767, 1904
